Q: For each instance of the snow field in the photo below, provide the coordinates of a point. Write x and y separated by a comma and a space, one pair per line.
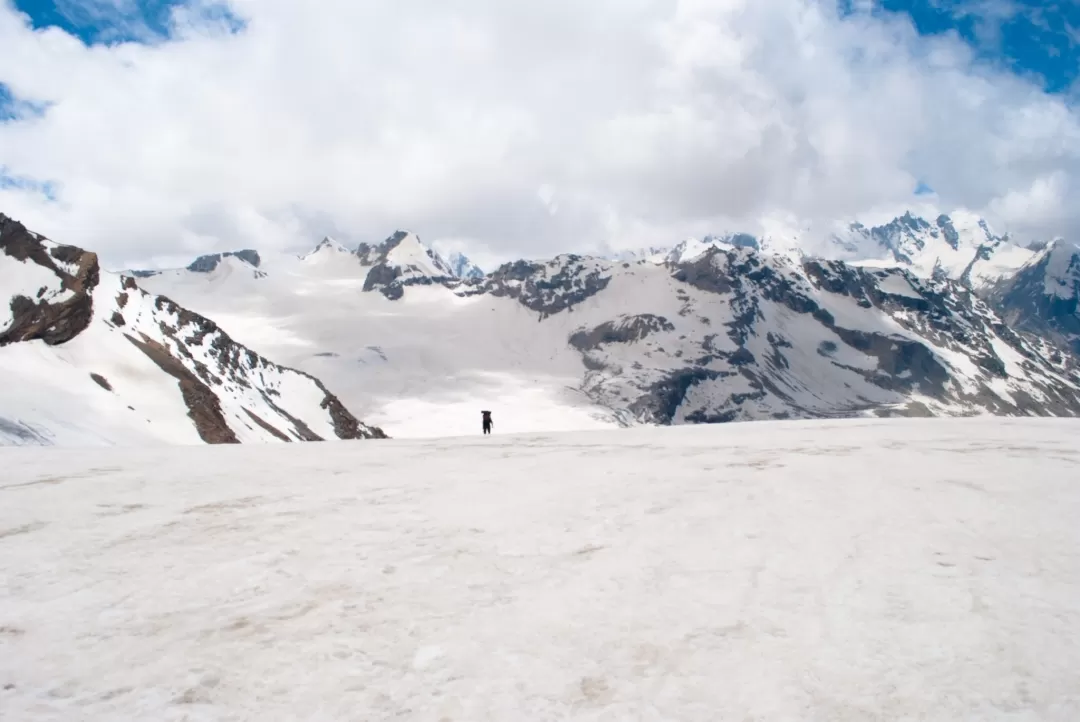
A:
909, 569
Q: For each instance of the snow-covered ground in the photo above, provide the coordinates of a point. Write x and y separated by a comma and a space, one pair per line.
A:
841, 570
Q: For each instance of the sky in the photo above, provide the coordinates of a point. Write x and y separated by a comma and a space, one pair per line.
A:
155, 130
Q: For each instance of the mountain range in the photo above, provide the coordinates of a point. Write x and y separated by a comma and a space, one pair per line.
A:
915, 317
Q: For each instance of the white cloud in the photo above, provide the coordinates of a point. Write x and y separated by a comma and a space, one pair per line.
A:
640, 121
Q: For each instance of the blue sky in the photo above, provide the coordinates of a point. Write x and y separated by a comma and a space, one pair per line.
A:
111, 21
1040, 38
526, 127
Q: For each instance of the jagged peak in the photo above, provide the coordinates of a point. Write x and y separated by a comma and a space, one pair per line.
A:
327, 245
405, 250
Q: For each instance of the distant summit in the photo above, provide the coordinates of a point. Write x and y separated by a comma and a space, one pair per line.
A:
206, 264
463, 267
326, 248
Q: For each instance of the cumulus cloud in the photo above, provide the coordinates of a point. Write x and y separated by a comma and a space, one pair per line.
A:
511, 129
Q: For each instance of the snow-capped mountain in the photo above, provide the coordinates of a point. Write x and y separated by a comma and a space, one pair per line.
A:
761, 336
89, 357
733, 333
960, 247
692, 248
463, 267
1041, 298
324, 252
401, 260
655, 254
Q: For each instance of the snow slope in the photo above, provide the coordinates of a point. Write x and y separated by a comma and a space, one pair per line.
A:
773, 571
88, 357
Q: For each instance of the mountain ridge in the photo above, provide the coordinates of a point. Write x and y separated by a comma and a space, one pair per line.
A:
89, 356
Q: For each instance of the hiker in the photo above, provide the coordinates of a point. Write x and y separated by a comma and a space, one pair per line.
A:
487, 421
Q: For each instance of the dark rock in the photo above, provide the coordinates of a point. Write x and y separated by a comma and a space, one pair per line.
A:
949, 231
625, 329
54, 323
662, 399
206, 264
742, 357
204, 409
550, 288
274, 431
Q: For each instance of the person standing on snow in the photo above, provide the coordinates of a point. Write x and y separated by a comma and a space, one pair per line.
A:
486, 421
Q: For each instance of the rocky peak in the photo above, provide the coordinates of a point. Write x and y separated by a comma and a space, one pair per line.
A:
52, 284
402, 260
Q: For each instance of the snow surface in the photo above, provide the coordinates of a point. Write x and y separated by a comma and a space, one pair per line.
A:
915, 569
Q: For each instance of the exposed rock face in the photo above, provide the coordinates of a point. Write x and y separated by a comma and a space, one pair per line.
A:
625, 329
548, 288
57, 314
204, 407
